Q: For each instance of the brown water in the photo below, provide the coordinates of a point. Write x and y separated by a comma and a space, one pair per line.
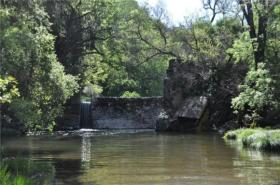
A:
146, 158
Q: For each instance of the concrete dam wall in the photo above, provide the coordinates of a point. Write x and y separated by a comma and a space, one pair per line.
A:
126, 113
183, 107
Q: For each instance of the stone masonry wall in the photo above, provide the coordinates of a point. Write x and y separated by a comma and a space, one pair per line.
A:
126, 113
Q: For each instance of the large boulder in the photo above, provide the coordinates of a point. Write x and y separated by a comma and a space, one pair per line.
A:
186, 82
191, 116
184, 102
192, 107
183, 80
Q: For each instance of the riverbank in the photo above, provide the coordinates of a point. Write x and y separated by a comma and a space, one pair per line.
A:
258, 138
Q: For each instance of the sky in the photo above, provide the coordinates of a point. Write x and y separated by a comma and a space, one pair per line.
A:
177, 9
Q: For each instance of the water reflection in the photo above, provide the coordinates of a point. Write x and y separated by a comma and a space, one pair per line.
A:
86, 151
254, 167
147, 159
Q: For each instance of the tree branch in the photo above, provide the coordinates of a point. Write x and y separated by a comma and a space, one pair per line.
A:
170, 53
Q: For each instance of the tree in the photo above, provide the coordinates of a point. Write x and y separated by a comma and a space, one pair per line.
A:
259, 92
8, 89
133, 66
28, 55
217, 7
80, 28
258, 37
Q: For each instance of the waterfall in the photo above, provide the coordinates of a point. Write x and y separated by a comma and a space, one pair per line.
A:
85, 115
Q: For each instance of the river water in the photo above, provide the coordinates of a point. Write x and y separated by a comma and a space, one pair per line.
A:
142, 158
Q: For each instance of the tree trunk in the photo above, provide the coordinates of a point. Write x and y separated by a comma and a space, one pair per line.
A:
258, 38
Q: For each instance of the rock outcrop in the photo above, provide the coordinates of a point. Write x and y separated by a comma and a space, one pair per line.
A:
187, 83
191, 116
185, 106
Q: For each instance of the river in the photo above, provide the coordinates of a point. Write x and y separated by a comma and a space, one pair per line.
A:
141, 158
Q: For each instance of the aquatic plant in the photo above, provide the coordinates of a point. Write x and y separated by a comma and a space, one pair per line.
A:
240, 133
260, 139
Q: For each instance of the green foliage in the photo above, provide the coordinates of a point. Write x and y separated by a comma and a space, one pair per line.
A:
8, 89
80, 28
27, 112
256, 92
242, 49
128, 94
118, 48
132, 64
29, 56
6, 178
239, 134
259, 92
97, 41
94, 75
28, 168
260, 139
25, 172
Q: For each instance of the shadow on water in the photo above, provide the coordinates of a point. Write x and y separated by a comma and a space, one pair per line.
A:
144, 158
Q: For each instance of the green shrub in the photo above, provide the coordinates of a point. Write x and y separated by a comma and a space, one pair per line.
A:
128, 94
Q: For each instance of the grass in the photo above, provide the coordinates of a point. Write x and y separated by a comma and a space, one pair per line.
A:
6, 178
258, 138
18, 171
